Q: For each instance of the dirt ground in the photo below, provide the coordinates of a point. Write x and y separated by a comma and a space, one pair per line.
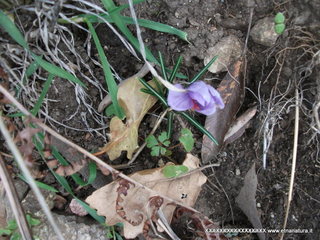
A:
268, 69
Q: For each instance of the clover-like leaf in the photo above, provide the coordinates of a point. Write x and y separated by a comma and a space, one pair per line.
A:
171, 171
163, 137
151, 141
155, 151
187, 139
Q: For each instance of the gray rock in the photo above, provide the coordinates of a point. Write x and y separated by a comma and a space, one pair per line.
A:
263, 32
228, 49
70, 228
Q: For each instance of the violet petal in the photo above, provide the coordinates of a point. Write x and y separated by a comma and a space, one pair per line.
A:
217, 97
179, 101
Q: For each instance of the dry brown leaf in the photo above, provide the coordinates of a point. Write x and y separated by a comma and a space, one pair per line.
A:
120, 201
124, 136
231, 89
246, 200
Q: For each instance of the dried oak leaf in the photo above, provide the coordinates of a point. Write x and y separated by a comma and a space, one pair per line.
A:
136, 204
124, 136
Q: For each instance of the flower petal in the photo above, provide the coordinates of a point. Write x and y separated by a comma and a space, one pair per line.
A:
200, 92
208, 109
179, 101
217, 97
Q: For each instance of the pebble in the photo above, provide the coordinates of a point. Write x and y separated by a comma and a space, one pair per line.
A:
228, 50
263, 32
238, 172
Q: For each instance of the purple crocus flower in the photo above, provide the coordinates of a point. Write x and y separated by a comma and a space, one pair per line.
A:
199, 96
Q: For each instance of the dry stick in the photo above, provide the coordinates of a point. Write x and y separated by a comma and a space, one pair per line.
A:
316, 114
14, 201
85, 152
20, 161
294, 161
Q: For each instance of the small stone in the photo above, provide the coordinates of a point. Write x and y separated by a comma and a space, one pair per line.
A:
237, 172
70, 227
263, 32
77, 208
258, 205
228, 49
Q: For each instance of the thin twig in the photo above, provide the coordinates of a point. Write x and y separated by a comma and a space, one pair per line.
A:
19, 159
85, 152
294, 161
316, 114
14, 201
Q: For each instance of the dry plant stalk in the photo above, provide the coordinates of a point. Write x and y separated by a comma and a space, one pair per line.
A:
294, 161
14, 201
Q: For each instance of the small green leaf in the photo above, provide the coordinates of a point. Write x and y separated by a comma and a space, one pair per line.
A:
15, 236
166, 143
174, 170
279, 18
32, 221
5, 232
187, 139
163, 150
163, 137
279, 28
155, 151
151, 141
12, 225
168, 153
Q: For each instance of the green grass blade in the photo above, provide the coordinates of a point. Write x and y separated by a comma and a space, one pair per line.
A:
40, 184
170, 124
53, 69
154, 92
195, 78
64, 183
124, 6
12, 30
44, 92
198, 125
111, 83
116, 17
163, 69
32, 68
175, 69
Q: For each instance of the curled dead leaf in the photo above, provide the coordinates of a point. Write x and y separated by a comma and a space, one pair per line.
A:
124, 136
121, 201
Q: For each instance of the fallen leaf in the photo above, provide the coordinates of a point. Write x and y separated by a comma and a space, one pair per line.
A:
246, 200
239, 125
231, 90
121, 201
124, 136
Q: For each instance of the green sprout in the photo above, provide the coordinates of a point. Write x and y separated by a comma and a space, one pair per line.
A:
279, 26
159, 146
